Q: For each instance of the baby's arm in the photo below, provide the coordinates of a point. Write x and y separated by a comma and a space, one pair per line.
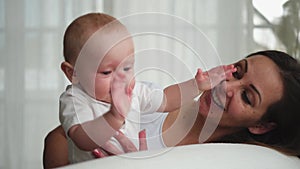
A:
179, 94
97, 132
92, 134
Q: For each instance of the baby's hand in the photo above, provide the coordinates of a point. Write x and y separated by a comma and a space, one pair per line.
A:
121, 92
209, 79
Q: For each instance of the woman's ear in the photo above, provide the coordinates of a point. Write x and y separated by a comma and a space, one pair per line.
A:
262, 128
68, 70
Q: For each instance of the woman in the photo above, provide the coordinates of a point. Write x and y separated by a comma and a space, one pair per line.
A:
261, 104
258, 105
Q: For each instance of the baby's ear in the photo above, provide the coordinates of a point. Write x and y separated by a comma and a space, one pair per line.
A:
68, 70
262, 128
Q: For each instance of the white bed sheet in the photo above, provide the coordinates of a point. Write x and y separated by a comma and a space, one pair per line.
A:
200, 156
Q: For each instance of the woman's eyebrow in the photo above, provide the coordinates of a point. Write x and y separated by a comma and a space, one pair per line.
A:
246, 65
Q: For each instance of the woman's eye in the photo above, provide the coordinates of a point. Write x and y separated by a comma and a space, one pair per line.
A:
106, 72
235, 75
246, 98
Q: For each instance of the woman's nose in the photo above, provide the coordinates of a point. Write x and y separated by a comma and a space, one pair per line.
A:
230, 86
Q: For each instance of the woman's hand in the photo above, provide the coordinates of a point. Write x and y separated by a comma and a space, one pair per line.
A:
109, 149
209, 79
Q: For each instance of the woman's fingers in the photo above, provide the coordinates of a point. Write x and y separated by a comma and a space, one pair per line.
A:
111, 149
126, 143
98, 153
106, 150
143, 140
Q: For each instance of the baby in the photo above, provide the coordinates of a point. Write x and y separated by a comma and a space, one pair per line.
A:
104, 97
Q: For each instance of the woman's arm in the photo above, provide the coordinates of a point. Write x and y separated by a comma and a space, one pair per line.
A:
55, 149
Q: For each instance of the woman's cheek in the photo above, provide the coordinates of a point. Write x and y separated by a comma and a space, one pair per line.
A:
240, 114
234, 111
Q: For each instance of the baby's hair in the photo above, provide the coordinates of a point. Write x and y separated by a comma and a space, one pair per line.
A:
80, 30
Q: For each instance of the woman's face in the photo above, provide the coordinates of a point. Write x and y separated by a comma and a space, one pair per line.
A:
243, 99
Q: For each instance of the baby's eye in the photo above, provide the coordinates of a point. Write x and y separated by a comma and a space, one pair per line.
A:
106, 72
126, 68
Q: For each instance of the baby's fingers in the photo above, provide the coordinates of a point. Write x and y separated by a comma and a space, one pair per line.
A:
229, 69
121, 93
200, 75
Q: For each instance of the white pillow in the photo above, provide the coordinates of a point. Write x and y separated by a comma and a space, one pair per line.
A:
203, 156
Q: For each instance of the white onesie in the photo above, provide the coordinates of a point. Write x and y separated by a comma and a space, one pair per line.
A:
77, 107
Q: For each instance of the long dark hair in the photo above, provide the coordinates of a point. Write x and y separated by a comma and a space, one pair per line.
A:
285, 113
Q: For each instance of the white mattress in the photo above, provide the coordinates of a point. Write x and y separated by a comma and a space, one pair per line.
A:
203, 156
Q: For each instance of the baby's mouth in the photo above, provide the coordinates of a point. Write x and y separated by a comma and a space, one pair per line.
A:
219, 98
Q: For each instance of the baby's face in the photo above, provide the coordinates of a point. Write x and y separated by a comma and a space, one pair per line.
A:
98, 83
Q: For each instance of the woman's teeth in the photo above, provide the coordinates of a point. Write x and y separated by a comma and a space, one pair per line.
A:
217, 100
